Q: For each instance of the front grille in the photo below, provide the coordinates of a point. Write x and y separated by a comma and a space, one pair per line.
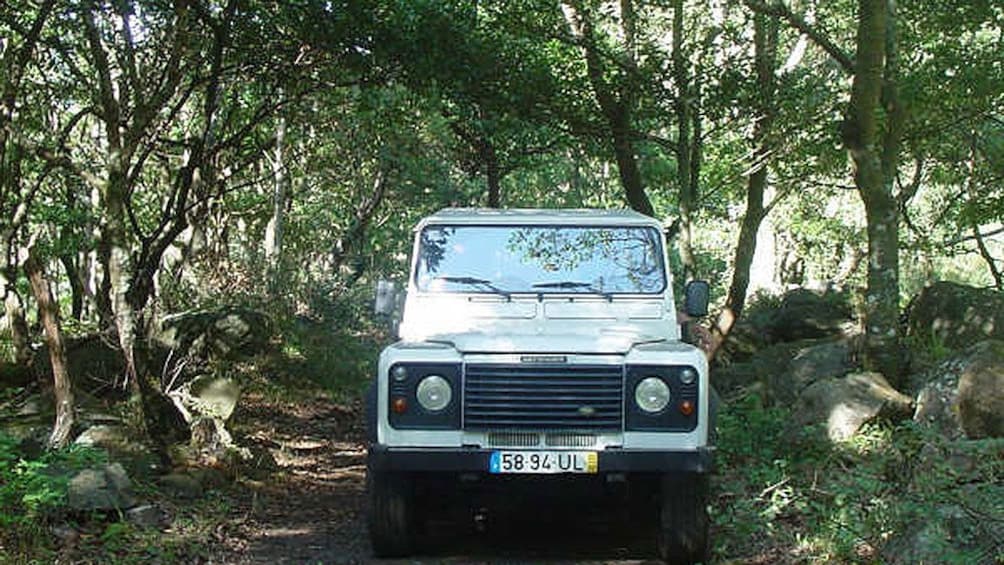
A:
513, 439
558, 397
569, 439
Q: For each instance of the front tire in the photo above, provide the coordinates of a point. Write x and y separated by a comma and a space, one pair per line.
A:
391, 513
683, 519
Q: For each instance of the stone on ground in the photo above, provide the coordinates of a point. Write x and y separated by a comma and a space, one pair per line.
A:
964, 395
956, 315
102, 488
845, 404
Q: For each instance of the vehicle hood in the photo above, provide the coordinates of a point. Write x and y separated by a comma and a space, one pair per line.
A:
603, 342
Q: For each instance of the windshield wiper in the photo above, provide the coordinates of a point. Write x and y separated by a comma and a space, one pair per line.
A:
574, 284
564, 284
474, 281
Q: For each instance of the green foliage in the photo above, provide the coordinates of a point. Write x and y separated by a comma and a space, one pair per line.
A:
856, 501
338, 349
927, 349
33, 488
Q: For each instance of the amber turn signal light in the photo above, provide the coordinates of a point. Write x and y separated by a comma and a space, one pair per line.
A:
399, 405
686, 408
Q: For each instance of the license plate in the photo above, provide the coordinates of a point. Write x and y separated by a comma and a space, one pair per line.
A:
543, 462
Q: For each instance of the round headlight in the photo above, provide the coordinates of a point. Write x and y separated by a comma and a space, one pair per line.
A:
651, 394
399, 373
688, 376
434, 393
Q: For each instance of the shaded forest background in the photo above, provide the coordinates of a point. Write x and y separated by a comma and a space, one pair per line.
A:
160, 157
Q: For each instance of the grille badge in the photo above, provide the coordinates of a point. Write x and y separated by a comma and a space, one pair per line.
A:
543, 359
586, 411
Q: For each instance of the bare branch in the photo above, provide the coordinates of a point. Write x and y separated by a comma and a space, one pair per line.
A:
980, 235
990, 260
780, 9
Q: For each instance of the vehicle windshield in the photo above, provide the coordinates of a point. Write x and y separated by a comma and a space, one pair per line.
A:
540, 260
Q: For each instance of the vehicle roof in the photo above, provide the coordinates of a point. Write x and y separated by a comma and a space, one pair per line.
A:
538, 216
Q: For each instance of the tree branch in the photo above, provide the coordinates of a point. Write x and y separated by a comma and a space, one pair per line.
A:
965, 238
780, 9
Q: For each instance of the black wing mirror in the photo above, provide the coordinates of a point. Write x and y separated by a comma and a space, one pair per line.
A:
695, 302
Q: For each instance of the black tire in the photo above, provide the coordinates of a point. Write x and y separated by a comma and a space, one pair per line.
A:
683, 519
391, 513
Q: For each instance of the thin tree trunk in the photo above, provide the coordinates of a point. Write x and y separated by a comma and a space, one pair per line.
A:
981, 244
103, 287
684, 176
19, 334
357, 230
627, 162
276, 224
991, 262
615, 105
48, 313
493, 173
76, 286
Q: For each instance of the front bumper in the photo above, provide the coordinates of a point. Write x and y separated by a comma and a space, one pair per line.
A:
459, 460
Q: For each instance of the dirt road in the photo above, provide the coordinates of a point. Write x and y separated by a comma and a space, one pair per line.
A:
312, 509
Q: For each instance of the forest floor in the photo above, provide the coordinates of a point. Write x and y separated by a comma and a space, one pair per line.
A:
770, 503
312, 509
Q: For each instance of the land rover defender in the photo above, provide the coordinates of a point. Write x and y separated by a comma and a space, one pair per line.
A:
541, 345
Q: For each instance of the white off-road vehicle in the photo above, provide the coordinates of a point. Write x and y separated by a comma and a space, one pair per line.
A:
537, 346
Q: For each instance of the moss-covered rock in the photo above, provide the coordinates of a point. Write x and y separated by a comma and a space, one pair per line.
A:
956, 316
103, 488
224, 334
964, 394
981, 392
805, 314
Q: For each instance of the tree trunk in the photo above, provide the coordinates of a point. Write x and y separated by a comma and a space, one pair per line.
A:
765, 29
348, 242
48, 313
627, 162
874, 169
615, 104
14, 310
685, 180
103, 287
493, 173
76, 286
978, 237
280, 192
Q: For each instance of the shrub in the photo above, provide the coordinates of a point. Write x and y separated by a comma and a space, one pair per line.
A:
783, 491
33, 490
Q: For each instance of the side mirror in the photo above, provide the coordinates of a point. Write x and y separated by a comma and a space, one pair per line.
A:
386, 298
696, 297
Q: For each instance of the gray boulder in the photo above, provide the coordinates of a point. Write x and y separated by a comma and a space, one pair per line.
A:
981, 392
964, 395
181, 485
845, 404
111, 437
805, 314
146, 516
206, 397
784, 370
956, 315
787, 369
224, 334
101, 488
135, 455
